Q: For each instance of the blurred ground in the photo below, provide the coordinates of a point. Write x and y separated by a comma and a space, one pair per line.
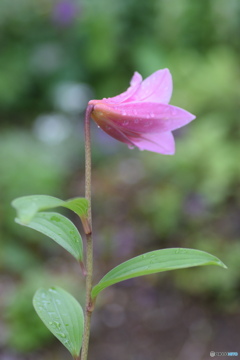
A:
57, 55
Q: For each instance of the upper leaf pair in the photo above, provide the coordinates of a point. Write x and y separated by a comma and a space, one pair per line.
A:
54, 225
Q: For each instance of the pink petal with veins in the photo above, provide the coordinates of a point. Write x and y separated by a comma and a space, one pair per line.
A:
156, 88
145, 117
117, 133
162, 143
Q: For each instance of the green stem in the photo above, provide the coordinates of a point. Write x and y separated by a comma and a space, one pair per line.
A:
89, 243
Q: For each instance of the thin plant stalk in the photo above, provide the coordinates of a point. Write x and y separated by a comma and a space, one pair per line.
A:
89, 242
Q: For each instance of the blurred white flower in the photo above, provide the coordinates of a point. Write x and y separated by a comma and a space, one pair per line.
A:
72, 97
52, 128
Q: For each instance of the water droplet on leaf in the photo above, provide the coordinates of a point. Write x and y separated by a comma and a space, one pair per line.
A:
57, 324
55, 218
52, 290
62, 335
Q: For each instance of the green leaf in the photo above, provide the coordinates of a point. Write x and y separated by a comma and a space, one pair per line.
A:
154, 262
60, 229
78, 205
28, 206
62, 315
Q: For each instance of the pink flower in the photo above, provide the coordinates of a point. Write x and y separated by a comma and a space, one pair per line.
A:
141, 115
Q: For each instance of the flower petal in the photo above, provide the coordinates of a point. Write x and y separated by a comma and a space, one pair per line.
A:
162, 143
144, 117
134, 85
110, 127
156, 88
136, 79
141, 116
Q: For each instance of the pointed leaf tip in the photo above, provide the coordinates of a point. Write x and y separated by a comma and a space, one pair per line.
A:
62, 315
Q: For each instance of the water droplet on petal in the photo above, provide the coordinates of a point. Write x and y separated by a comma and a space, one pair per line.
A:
123, 112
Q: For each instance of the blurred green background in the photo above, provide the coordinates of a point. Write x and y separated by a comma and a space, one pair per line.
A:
54, 57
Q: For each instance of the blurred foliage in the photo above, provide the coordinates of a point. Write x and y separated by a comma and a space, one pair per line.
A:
55, 56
